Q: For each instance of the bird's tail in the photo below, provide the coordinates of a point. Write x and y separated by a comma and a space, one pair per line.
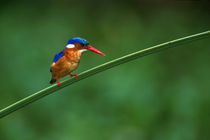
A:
52, 81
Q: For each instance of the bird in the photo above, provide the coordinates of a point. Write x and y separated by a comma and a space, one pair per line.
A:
67, 60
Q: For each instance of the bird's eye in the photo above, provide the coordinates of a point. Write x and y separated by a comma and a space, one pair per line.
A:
82, 44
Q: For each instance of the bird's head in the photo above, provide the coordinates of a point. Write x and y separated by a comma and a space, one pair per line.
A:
80, 44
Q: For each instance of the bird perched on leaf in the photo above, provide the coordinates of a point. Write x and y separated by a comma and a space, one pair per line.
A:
66, 61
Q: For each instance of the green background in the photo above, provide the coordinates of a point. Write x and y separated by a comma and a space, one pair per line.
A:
164, 96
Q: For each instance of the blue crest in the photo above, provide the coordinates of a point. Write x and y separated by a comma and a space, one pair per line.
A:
77, 40
71, 41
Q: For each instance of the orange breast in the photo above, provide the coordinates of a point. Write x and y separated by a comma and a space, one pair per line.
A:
66, 64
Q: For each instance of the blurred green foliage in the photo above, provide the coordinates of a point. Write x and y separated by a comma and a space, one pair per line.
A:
165, 96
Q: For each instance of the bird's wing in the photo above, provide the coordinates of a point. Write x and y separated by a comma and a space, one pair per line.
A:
58, 56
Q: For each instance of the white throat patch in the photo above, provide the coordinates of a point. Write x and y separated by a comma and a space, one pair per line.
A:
83, 50
70, 46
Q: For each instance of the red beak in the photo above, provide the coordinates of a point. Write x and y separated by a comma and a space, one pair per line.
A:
90, 48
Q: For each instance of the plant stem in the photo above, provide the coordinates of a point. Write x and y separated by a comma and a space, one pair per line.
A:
38, 95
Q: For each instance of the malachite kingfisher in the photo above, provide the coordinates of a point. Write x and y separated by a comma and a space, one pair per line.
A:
66, 61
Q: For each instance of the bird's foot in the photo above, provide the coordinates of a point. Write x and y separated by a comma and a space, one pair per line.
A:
57, 82
72, 75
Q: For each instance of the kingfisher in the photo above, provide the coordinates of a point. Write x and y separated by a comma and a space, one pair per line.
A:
67, 60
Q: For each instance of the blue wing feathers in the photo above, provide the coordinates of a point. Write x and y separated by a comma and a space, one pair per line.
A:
58, 56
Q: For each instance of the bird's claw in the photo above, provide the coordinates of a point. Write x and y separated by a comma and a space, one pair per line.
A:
58, 82
72, 75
